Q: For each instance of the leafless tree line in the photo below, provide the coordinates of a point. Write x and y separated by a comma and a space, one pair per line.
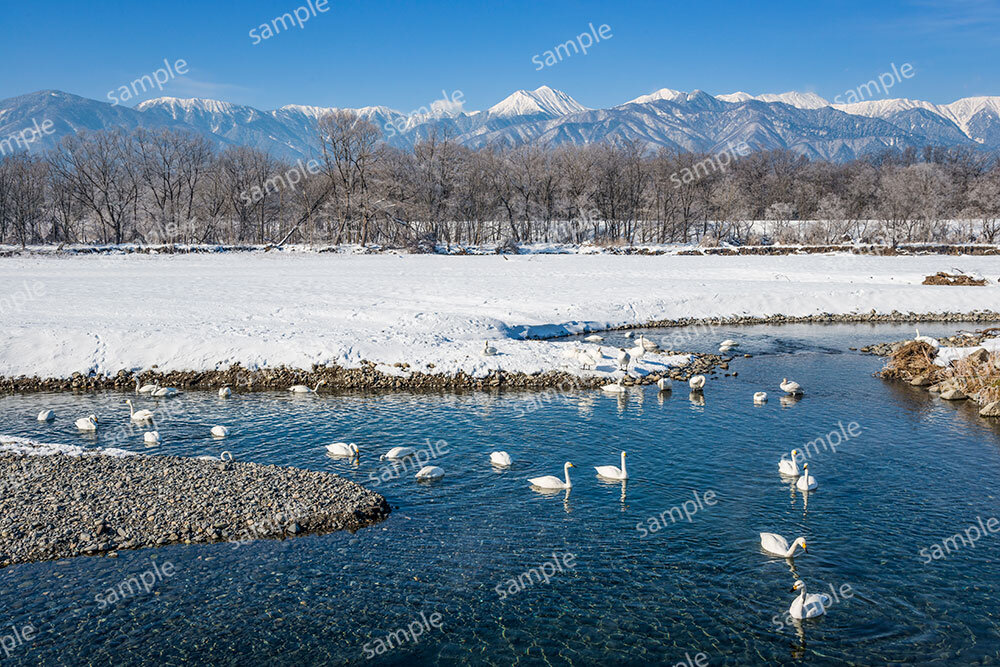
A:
165, 186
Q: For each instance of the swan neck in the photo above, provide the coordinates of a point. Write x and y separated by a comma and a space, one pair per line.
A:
624, 472
566, 470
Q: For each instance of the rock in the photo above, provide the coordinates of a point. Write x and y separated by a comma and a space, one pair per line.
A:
980, 356
990, 409
953, 395
922, 380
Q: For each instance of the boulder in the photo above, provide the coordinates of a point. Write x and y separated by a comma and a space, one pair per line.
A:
953, 395
922, 380
990, 410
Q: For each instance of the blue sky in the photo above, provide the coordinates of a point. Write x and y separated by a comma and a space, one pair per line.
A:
403, 54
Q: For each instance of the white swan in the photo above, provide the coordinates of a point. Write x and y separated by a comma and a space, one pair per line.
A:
586, 360
398, 453
145, 389
87, 423
140, 415
629, 334
613, 472
594, 339
430, 472
623, 359
342, 449
46, 416
225, 392
927, 339
648, 345
807, 605
614, 387
166, 392
697, 382
488, 351
303, 389
664, 384
729, 342
806, 482
775, 544
760, 397
220, 431
553, 482
789, 467
789, 387
151, 437
501, 459
637, 352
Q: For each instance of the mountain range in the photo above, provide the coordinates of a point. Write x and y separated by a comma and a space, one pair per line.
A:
689, 121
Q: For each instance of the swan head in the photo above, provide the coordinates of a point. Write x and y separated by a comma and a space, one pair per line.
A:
797, 585
93, 418
802, 543
569, 465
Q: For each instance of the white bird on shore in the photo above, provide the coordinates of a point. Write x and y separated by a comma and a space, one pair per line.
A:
429, 473
220, 431
613, 472
342, 449
145, 389
615, 387
166, 392
225, 392
760, 397
140, 415
664, 384
789, 387
594, 339
807, 605
806, 482
927, 339
775, 544
397, 453
303, 389
151, 437
697, 382
637, 352
500, 458
488, 351
624, 359
587, 360
553, 482
87, 423
46, 416
789, 467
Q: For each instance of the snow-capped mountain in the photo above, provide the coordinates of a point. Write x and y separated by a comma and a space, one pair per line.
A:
686, 121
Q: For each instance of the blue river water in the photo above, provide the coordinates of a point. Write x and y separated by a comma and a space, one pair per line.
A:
664, 569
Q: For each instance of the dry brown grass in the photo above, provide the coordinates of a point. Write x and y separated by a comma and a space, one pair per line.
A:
913, 359
958, 279
976, 376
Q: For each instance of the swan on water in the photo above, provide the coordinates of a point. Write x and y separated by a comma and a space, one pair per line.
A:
807, 605
145, 389
790, 467
760, 397
501, 459
87, 423
225, 392
613, 472
806, 482
342, 449
139, 415
664, 384
303, 389
46, 416
151, 437
488, 350
220, 431
398, 453
729, 342
789, 387
166, 392
553, 482
430, 472
697, 382
615, 387
647, 345
775, 544
594, 339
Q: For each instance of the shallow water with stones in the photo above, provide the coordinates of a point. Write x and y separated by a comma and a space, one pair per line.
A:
920, 471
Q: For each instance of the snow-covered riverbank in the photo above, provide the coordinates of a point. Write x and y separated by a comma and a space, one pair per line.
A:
99, 314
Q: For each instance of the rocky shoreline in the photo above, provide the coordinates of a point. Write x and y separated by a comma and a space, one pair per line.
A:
59, 506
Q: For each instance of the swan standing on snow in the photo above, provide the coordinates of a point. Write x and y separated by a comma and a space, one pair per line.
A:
790, 468
594, 339
145, 389
397, 453
141, 415
225, 392
166, 392
501, 459
807, 605
624, 359
613, 472
586, 360
807, 482
46, 416
664, 384
775, 544
553, 482
151, 437
342, 449
303, 389
488, 351
760, 397
615, 387
697, 382
220, 431
87, 423
430, 472
789, 387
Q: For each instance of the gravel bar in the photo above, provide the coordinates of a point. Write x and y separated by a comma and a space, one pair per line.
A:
59, 506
